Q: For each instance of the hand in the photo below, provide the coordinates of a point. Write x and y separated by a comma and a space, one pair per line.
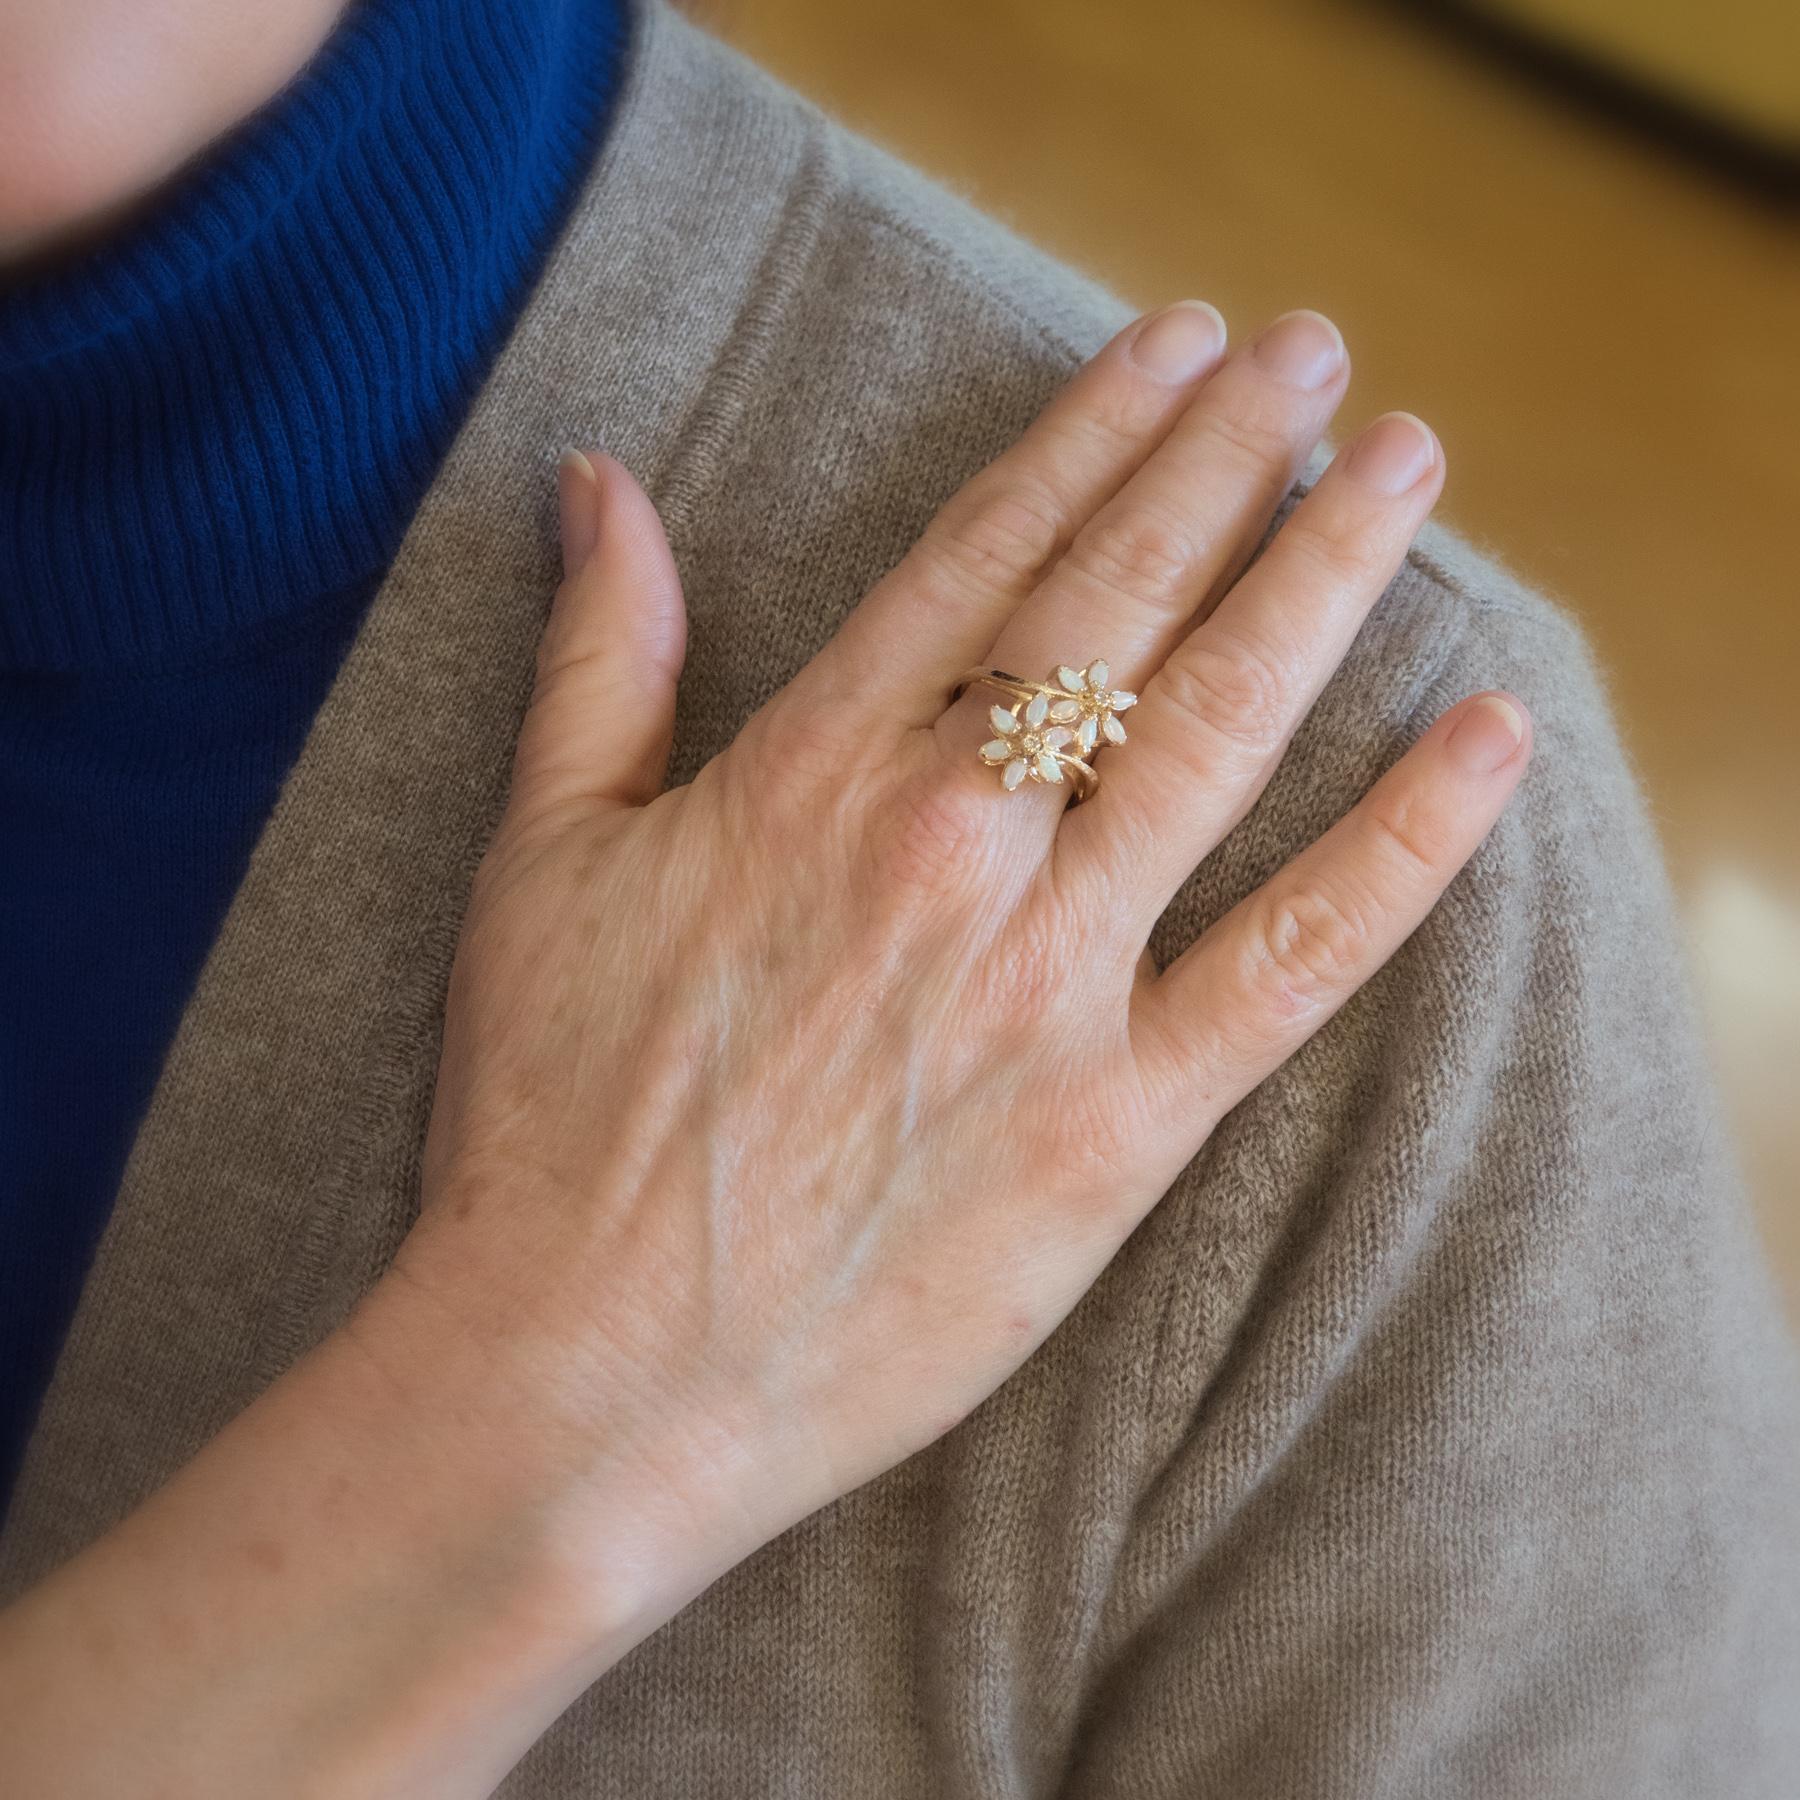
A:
782, 1114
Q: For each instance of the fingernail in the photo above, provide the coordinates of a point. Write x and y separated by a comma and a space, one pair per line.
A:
1301, 348
1180, 342
578, 507
1392, 454
1487, 734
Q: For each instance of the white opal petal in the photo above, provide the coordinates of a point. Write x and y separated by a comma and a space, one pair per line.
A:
1070, 678
1049, 769
1087, 732
1122, 700
1065, 710
1002, 721
996, 749
1097, 674
1037, 709
1115, 732
1057, 736
1013, 773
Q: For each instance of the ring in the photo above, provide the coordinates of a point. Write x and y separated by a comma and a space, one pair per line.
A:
1051, 725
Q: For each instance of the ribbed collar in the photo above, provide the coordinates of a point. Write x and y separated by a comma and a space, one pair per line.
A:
231, 409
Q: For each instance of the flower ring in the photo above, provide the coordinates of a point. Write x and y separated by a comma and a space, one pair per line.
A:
1025, 744
1090, 705
1051, 726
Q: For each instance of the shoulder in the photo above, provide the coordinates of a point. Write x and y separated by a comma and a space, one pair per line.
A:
1499, 1172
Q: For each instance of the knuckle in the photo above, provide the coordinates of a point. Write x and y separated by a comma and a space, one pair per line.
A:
1246, 441
1121, 411
1140, 554
1001, 536
1312, 945
1415, 837
1339, 552
558, 664
1091, 1143
1031, 985
933, 834
797, 749
1229, 689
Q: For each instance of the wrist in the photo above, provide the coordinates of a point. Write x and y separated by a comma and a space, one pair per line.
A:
387, 1576
518, 1562
622, 1490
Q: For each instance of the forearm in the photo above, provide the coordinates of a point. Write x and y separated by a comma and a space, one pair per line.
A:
387, 1576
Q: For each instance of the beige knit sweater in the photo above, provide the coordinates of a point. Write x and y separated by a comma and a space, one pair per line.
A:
1434, 1437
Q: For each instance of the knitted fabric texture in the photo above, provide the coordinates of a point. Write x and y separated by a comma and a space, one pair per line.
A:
1435, 1434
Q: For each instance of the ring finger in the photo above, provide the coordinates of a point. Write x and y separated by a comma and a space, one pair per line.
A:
1216, 717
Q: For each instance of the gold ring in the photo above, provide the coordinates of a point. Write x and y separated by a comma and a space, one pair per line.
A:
1052, 725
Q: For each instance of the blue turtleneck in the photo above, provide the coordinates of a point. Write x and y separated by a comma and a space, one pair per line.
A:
214, 429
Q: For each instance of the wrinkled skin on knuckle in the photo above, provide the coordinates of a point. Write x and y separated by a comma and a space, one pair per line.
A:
1337, 552
1311, 946
1043, 998
1026, 976
1137, 835
1253, 446
793, 747
1228, 692
1138, 554
1094, 1139
930, 835
1114, 423
1420, 838
1003, 536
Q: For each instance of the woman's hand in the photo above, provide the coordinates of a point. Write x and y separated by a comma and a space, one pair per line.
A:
782, 1114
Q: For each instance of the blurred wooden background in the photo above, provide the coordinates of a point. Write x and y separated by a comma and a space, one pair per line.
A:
1605, 334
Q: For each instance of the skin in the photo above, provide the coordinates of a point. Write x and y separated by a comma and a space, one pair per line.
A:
102, 100
783, 1114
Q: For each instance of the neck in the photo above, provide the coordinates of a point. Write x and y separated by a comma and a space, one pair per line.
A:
102, 101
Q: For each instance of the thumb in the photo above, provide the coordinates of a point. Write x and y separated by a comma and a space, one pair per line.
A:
603, 707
